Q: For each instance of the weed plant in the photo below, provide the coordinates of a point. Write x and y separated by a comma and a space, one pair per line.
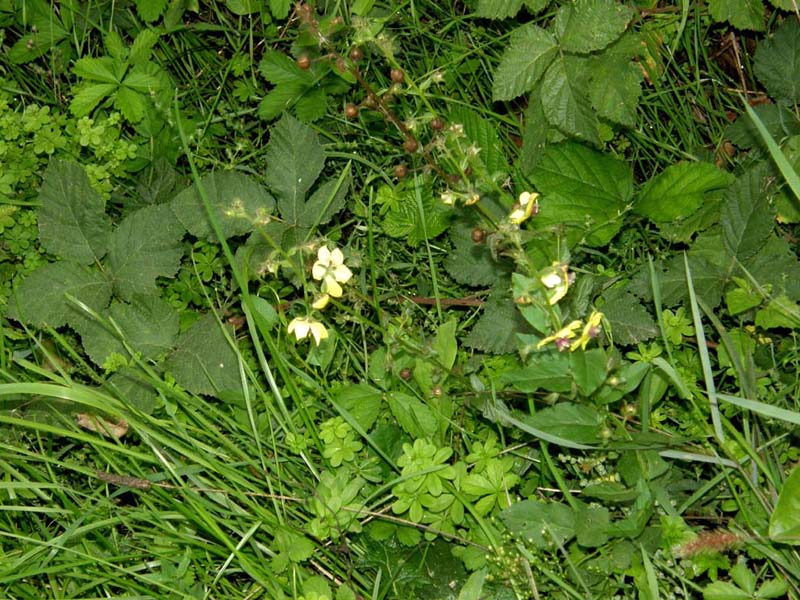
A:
338, 300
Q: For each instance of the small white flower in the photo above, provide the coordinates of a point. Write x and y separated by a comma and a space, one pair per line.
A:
321, 302
302, 327
527, 205
557, 281
331, 270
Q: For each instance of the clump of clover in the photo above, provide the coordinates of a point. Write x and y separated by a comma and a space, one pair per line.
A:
330, 270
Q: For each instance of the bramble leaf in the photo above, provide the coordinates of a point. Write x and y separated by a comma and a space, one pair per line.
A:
483, 134
784, 524
777, 62
470, 263
41, 298
497, 328
564, 98
203, 361
586, 26
401, 212
146, 245
72, 220
150, 10
742, 14
497, 9
615, 87
413, 415
679, 190
239, 203
778, 119
747, 218
530, 50
629, 320
362, 401
585, 192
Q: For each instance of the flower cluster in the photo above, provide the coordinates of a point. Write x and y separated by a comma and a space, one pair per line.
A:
565, 337
329, 268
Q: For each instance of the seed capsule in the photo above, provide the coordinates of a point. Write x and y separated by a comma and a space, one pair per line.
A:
397, 76
410, 145
304, 62
356, 54
437, 124
351, 111
406, 374
478, 235
400, 171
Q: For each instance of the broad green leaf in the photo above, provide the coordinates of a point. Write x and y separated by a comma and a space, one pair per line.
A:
679, 190
497, 9
445, 344
203, 361
615, 88
722, 590
540, 523
362, 401
787, 202
586, 26
148, 325
116, 49
142, 47
784, 524
100, 70
278, 68
130, 103
565, 100
279, 8
72, 220
548, 371
497, 328
589, 369
49, 33
280, 99
585, 192
472, 263
683, 230
41, 298
777, 62
774, 588
402, 216
591, 525
294, 161
747, 218
709, 280
89, 96
146, 245
150, 10
530, 50
326, 201
577, 423
535, 134
244, 7
142, 79
312, 105
473, 587
413, 415
239, 203
133, 391
482, 133
778, 120
776, 265
742, 14
629, 320
780, 312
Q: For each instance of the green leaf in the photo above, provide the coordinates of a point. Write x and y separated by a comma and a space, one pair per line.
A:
295, 159
778, 120
742, 14
326, 201
591, 525
413, 415
445, 344
497, 9
576, 423
629, 320
362, 401
535, 134
777, 62
89, 96
470, 263
48, 35
280, 99
148, 324
541, 524
130, 103
780, 312
134, 392
100, 70
784, 524
150, 10
548, 371
586, 26
146, 245
312, 105
589, 369
239, 205
279, 8
473, 587
585, 192
278, 68
679, 190
497, 328
530, 50
244, 7
776, 265
41, 298
615, 88
142, 48
709, 280
774, 588
482, 133
402, 217
203, 361
722, 590
747, 218
72, 219
564, 99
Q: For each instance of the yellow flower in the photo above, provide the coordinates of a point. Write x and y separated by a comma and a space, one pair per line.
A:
527, 205
590, 331
302, 327
321, 302
331, 270
556, 279
561, 337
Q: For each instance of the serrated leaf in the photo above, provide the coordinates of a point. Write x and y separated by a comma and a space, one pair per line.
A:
146, 245
130, 103
530, 51
548, 371
589, 369
777, 62
497, 328
565, 101
279, 8
72, 220
535, 134
683, 230
244, 7
615, 88
413, 415
629, 321
483, 134
784, 523
280, 99
99, 70
239, 203
133, 391
776, 265
203, 361
542, 524
41, 298
747, 218
278, 68
679, 190
742, 14
585, 192
142, 47
89, 96
326, 201
778, 119
312, 105
497, 9
148, 325
586, 26
49, 33
709, 280
470, 263
363, 402
150, 10
403, 217
591, 525
295, 159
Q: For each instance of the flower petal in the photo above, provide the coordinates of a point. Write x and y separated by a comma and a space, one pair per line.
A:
330, 286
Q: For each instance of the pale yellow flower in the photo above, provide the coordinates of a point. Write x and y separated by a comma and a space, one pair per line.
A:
561, 337
331, 270
302, 327
590, 331
556, 280
526, 206
321, 302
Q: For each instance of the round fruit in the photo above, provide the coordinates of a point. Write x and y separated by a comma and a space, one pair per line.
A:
304, 62
478, 235
437, 124
400, 171
410, 145
397, 76
356, 54
351, 111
